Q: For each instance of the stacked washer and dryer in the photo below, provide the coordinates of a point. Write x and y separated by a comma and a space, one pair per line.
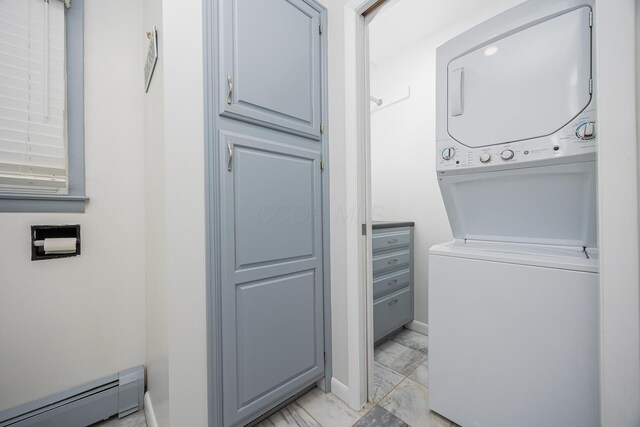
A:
513, 299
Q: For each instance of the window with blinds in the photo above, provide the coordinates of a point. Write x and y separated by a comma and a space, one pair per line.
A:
33, 147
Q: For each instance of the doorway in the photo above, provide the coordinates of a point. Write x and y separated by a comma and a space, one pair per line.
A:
402, 187
405, 212
609, 87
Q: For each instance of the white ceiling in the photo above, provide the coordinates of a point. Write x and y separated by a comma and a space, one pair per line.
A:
404, 22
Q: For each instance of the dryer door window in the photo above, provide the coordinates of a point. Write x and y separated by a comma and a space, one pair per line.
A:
525, 85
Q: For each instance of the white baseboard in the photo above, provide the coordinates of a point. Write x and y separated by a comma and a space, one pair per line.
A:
148, 411
419, 327
340, 390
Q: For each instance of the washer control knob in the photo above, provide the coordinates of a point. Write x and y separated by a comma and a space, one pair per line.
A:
586, 130
507, 155
485, 157
448, 153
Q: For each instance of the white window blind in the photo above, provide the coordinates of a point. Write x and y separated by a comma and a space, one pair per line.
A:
33, 149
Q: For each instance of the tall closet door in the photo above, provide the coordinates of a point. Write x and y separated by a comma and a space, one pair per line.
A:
272, 291
270, 150
270, 64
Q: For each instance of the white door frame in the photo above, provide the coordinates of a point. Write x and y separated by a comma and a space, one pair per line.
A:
614, 30
618, 209
356, 93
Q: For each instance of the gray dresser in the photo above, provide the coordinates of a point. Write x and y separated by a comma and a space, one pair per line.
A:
392, 277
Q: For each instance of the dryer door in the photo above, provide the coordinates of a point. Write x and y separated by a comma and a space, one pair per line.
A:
528, 84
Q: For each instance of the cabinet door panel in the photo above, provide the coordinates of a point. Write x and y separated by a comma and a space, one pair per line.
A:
272, 278
270, 65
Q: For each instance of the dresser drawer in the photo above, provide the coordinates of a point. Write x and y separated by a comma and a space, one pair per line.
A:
391, 312
390, 239
391, 282
388, 261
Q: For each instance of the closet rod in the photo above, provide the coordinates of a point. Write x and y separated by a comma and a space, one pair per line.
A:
374, 7
67, 3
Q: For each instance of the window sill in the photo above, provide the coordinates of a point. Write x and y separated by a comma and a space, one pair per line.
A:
42, 203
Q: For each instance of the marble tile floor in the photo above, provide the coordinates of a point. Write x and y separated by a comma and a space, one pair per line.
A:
137, 419
399, 400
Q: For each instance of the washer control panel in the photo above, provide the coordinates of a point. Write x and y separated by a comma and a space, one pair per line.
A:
578, 137
448, 153
507, 154
586, 130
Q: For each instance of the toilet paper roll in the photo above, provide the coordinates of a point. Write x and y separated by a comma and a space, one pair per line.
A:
63, 245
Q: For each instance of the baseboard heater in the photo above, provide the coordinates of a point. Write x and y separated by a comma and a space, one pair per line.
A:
121, 394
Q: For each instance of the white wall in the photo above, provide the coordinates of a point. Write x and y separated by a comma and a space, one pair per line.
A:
175, 228
157, 336
337, 171
69, 321
184, 209
404, 186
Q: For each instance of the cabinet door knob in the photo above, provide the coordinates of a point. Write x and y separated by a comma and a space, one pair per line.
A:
393, 301
392, 282
392, 241
392, 261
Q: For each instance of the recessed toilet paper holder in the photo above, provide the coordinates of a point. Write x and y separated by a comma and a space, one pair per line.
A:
54, 241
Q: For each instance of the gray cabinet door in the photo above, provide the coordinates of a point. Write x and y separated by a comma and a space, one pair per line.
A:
270, 67
272, 284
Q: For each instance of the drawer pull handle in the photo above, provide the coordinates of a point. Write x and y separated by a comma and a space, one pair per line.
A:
393, 301
392, 261
392, 241
392, 282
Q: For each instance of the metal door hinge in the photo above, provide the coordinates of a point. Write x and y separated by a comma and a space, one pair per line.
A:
590, 86
321, 128
364, 229
321, 165
591, 19
325, 356
320, 29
